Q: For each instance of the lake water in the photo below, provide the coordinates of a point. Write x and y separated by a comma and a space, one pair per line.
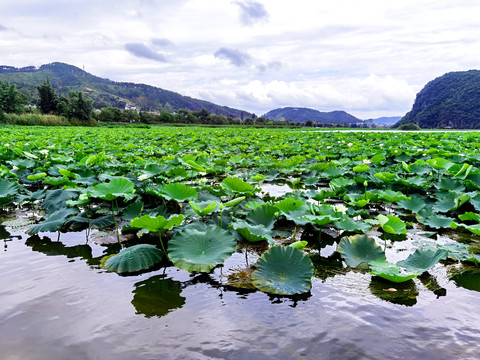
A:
57, 304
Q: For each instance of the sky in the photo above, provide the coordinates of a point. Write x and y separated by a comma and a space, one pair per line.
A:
369, 58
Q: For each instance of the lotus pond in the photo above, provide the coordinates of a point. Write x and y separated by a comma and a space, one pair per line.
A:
238, 243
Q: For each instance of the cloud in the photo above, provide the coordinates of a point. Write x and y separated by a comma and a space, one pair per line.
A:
273, 65
236, 57
141, 50
162, 42
251, 11
2, 28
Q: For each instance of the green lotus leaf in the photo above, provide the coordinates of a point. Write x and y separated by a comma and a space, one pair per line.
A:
433, 220
332, 172
178, 192
475, 201
52, 222
195, 250
450, 202
253, 232
68, 174
414, 204
414, 182
290, 204
472, 228
350, 225
134, 258
439, 163
391, 196
133, 210
157, 296
320, 220
258, 177
283, 270
263, 215
340, 183
377, 159
252, 205
389, 271
320, 195
450, 185
392, 224
234, 202
386, 177
300, 245
236, 185
37, 176
156, 224
470, 216
458, 251
57, 199
117, 187
203, 208
195, 166
359, 250
422, 260
311, 181
8, 188
361, 168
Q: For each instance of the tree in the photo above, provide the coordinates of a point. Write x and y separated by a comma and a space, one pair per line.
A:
79, 107
110, 114
11, 101
309, 123
48, 99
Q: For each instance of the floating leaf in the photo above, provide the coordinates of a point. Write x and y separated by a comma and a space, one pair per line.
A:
359, 250
422, 260
195, 250
283, 270
53, 222
391, 272
253, 232
134, 258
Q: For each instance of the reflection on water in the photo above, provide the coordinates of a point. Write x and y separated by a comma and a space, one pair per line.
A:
157, 296
53, 309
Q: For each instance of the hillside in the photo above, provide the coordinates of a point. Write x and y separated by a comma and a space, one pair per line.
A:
304, 114
386, 120
105, 92
449, 101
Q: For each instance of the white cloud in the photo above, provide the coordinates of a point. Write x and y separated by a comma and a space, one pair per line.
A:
369, 57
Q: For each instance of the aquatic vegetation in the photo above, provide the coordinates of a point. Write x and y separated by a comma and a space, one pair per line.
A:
208, 192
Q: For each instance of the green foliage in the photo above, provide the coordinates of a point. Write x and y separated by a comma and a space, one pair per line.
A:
11, 100
359, 250
134, 258
283, 270
409, 126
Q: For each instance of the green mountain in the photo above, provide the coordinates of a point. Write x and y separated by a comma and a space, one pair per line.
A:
104, 92
450, 101
304, 114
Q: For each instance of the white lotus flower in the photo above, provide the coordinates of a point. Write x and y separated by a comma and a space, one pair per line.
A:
143, 177
44, 152
340, 208
366, 161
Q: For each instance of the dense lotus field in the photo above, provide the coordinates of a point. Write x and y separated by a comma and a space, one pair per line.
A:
191, 197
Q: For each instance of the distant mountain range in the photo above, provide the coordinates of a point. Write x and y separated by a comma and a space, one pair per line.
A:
303, 114
449, 101
105, 92
386, 120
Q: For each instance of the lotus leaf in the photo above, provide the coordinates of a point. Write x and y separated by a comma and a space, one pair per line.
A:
392, 224
8, 188
203, 208
52, 222
359, 250
156, 224
350, 225
391, 272
263, 215
117, 187
134, 258
253, 232
283, 270
195, 250
235, 185
414, 204
340, 183
422, 260
36, 177
178, 192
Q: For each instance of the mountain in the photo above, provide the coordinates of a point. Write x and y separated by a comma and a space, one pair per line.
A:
386, 120
303, 114
104, 92
449, 101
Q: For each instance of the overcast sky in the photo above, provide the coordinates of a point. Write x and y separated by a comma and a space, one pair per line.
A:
368, 57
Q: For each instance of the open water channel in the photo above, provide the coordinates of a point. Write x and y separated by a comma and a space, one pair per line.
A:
57, 304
